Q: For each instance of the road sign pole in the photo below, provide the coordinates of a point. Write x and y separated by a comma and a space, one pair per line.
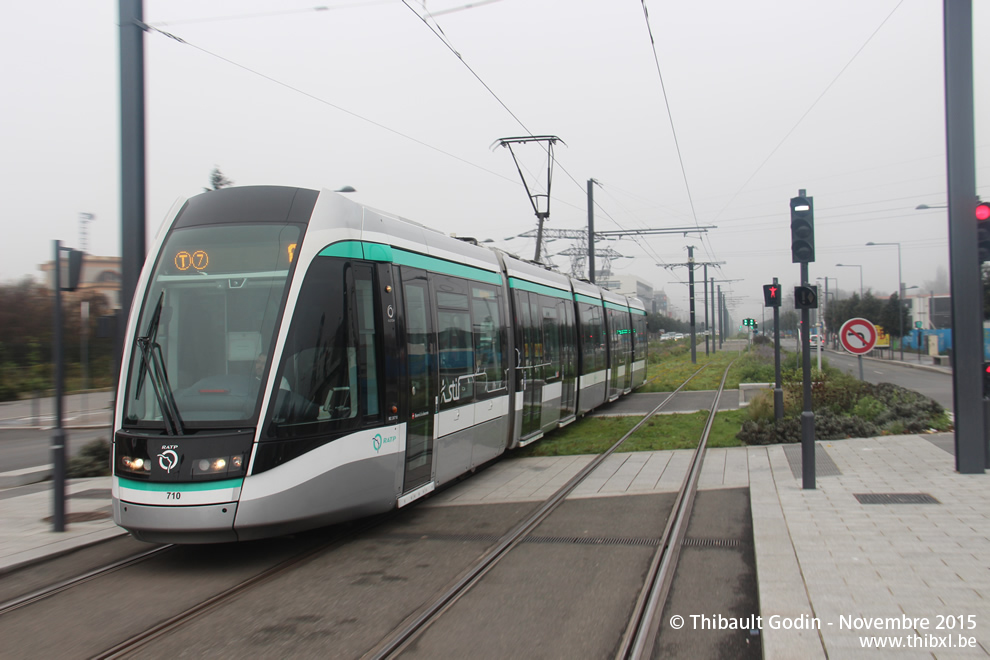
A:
860, 358
58, 439
778, 389
807, 415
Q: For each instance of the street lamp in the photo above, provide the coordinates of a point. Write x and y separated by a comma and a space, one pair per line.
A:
900, 293
922, 207
860, 275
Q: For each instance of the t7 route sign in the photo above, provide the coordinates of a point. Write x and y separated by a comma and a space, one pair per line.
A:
858, 336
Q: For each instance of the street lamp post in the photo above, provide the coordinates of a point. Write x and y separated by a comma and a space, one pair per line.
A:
900, 294
860, 275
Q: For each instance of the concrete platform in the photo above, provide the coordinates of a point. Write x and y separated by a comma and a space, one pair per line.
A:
840, 572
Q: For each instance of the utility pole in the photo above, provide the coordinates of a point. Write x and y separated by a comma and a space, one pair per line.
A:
704, 282
690, 265
591, 230
964, 262
721, 318
132, 156
713, 314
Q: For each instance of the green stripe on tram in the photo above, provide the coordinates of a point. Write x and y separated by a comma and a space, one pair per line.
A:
580, 297
159, 487
616, 307
524, 285
389, 254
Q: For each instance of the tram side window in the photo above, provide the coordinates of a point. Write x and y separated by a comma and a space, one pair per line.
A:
640, 337
551, 338
454, 342
593, 339
329, 371
488, 340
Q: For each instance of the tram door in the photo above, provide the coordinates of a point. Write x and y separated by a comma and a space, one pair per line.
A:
529, 340
421, 350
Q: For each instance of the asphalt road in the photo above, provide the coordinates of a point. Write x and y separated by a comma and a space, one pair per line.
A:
26, 427
933, 384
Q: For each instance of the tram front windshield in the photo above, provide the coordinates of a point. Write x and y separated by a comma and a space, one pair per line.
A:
204, 335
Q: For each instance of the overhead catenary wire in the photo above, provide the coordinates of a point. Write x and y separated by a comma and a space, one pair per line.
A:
810, 108
185, 42
439, 33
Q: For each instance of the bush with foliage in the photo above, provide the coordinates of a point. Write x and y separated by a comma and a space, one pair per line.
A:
844, 407
93, 460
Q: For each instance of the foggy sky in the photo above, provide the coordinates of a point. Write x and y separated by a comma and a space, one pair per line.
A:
842, 98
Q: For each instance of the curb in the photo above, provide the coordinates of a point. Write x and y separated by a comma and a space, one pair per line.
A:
25, 476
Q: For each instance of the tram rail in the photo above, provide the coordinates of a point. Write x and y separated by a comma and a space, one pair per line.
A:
418, 623
647, 613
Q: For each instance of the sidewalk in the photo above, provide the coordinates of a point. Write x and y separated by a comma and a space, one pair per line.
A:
26, 537
890, 535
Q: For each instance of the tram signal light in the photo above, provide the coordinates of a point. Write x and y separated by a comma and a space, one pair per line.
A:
802, 230
74, 271
983, 230
806, 297
771, 295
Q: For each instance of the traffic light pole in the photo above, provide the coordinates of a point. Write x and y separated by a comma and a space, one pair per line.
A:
964, 261
59, 438
807, 415
778, 390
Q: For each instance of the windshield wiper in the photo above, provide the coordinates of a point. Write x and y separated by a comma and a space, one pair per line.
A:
153, 365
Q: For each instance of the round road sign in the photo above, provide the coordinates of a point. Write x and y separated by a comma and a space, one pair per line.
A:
858, 336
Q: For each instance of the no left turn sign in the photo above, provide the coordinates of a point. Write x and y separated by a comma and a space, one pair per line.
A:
858, 336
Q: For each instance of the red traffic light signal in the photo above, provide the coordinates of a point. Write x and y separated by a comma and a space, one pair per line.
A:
771, 295
983, 230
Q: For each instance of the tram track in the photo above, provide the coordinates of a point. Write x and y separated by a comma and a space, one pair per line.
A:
49, 591
641, 632
408, 631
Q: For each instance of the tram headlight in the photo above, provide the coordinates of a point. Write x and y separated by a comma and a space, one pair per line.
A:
135, 464
219, 466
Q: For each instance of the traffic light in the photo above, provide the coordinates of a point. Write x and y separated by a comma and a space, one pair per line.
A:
75, 270
986, 379
983, 230
806, 297
771, 295
802, 230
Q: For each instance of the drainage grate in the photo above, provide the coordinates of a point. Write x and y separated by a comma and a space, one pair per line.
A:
895, 498
432, 536
586, 540
711, 543
824, 465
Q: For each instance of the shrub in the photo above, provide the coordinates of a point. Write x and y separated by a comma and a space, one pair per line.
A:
761, 407
868, 408
93, 460
828, 426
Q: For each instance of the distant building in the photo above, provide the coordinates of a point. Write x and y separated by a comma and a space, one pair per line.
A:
99, 274
630, 285
934, 311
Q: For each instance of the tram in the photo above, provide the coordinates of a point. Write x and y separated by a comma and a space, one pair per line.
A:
294, 359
